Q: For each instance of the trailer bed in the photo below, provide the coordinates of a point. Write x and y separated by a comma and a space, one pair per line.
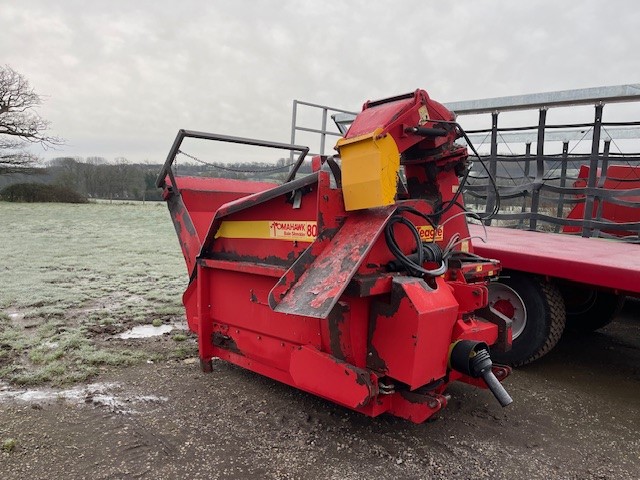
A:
597, 262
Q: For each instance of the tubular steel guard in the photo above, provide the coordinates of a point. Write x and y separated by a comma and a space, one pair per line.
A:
182, 134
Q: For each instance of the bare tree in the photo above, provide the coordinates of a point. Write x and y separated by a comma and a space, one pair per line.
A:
20, 124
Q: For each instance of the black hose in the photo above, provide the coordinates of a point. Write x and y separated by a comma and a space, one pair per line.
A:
463, 181
425, 252
414, 268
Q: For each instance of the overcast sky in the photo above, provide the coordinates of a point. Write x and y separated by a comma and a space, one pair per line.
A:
121, 77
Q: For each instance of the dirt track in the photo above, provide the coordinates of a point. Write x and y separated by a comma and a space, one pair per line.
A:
576, 414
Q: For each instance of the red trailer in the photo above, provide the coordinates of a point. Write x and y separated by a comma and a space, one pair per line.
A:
554, 282
550, 282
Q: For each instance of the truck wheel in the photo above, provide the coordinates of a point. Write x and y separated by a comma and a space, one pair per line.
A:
537, 312
589, 309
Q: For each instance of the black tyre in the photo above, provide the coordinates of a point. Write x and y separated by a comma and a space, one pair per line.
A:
589, 309
537, 312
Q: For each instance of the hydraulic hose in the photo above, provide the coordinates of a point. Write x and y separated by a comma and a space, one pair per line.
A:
425, 252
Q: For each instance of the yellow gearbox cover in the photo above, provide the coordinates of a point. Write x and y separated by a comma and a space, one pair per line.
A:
370, 165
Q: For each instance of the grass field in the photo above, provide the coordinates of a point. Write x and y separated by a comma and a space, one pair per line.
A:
74, 275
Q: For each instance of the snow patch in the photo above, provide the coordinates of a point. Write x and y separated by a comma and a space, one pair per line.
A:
146, 331
99, 394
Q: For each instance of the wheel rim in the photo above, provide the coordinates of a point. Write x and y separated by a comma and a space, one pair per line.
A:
579, 300
506, 300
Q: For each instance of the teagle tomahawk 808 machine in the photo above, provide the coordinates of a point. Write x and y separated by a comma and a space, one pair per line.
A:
357, 282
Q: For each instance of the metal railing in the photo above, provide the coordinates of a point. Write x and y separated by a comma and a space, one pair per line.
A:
323, 131
542, 198
167, 170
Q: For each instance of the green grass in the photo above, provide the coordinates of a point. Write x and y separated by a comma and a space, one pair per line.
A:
66, 268
9, 445
185, 350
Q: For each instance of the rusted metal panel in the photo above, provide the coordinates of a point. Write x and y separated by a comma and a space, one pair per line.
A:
258, 346
370, 285
245, 267
339, 380
415, 407
339, 338
415, 349
204, 326
315, 287
238, 300
186, 231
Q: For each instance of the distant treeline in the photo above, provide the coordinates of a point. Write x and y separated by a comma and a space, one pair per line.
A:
94, 177
39, 192
97, 179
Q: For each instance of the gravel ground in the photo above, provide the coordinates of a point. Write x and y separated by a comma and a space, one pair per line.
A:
576, 414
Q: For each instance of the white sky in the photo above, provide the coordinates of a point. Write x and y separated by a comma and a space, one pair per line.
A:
121, 77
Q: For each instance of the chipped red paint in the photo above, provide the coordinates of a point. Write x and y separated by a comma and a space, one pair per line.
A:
340, 381
415, 349
500, 371
187, 236
321, 282
415, 407
323, 314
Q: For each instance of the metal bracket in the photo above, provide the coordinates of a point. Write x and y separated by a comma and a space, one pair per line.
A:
504, 328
